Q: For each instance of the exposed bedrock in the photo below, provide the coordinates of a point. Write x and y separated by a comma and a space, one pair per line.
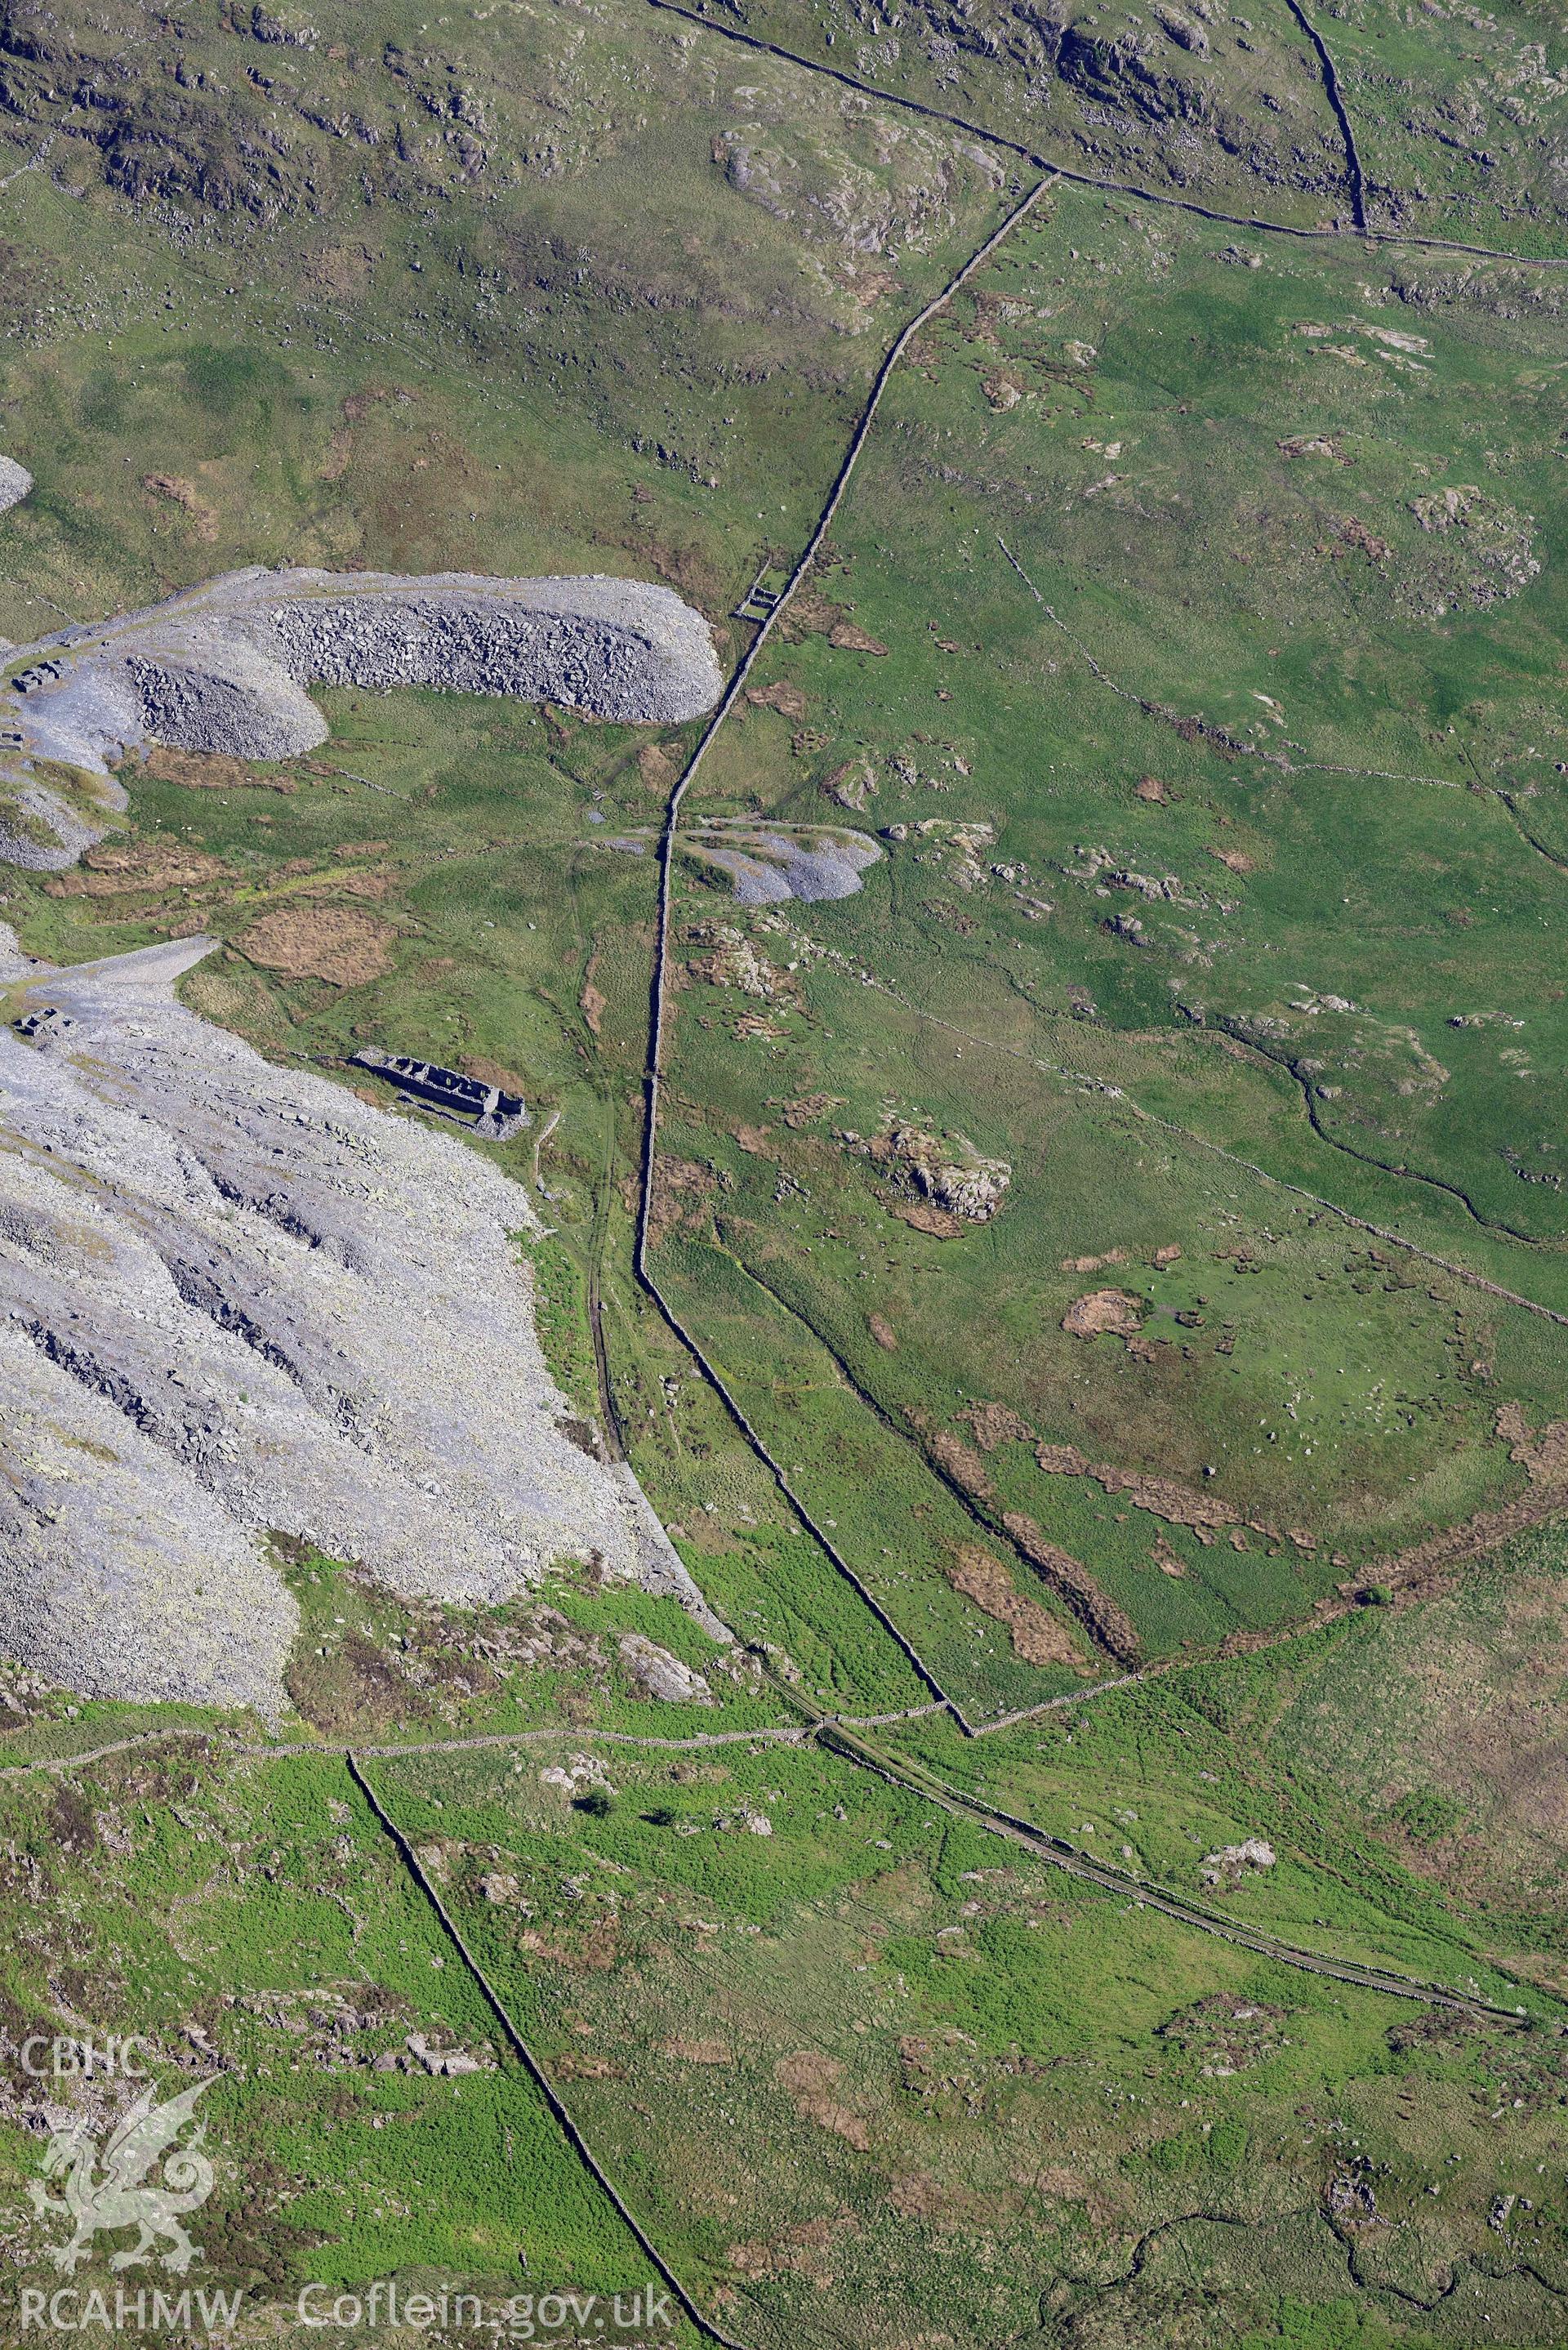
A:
224, 667
237, 1299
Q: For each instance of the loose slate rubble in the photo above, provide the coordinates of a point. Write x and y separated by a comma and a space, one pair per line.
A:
15, 482
224, 668
770, 862
239, 1299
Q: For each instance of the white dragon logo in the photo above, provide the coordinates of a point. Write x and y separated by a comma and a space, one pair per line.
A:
117, 2196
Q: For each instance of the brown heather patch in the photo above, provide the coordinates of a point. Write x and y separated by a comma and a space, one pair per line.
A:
916, 2195
112, 871
1162, 1497
696, 2052
810, 2080
359, 404
336, 944
808, 1108
364, 884
657, 772
806, 2250
211, 771
786, 699
995, 1423
597, 1948
849, 638
924, 1218
593, 1003
492, 1072
1057, 2184
1036, 1634
1170, 1561
1543, 1456
1073, 1583
1112, 1310
960, 1461
681, 1189
186, 496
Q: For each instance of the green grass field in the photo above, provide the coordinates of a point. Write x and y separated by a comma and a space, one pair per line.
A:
1187, 645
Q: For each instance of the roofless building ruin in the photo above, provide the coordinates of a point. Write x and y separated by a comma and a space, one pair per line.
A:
486, 1111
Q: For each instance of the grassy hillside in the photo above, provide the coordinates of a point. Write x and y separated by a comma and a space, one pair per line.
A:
1185, 653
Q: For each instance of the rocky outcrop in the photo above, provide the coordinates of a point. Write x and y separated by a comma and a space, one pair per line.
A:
238, 1300
948, 1171
662, 1675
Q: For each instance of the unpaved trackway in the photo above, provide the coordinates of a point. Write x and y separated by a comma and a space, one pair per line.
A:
272, 1750
837, 1733
1061, 1855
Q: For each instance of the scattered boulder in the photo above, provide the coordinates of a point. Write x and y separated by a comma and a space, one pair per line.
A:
660, 1674
1480, 553
946, 1175
734, 960
850, 784
447, 2064
1225, 1870
576, 1777
1313, 444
